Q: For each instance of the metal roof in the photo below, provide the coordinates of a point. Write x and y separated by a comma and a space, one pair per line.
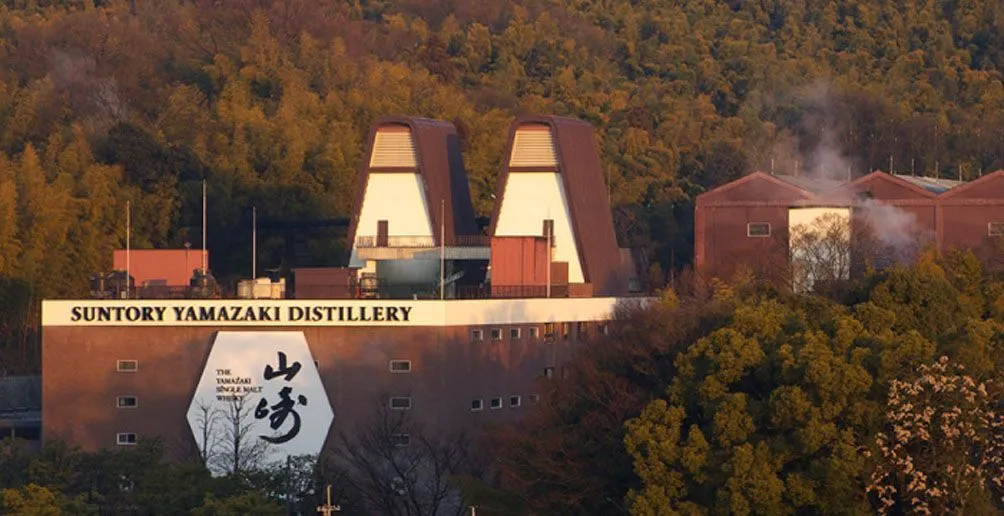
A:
931, 184
815, 185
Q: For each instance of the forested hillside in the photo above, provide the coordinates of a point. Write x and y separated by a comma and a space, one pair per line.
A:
104, 102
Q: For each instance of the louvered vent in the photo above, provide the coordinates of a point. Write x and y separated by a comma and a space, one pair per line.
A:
533, 147
393, 148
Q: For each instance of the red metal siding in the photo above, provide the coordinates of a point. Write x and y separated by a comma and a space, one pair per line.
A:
966, 226
519, 261
727, 245
160, 267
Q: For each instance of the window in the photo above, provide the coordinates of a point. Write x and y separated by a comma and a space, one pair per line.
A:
580, 330
564, 331
995, 229
549, 329
477, 404
758, 229
535, 398
514, 401
400, 366
127, 366
533, 333
496, 334
126, 402
400, 403
513, 333
602, 329
496, 403
548, 372
125, 439
477, 335
400, 440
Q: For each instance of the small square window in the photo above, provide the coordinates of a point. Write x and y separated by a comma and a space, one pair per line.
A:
400, 440
477, 405
496, 334
514, 401
125, 439
477, 335
126, 402
400, 403
533, 333
995, 229
513, 333
127, 366
535, 398
496, 403
400, 366
548, 372
758, 229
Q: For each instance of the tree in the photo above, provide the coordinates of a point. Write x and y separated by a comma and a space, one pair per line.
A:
249, 503
821, 252
30, 499
942, 451
394, 466
238, 449
568, 454
761, 417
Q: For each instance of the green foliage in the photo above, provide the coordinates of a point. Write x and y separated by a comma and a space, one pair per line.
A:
60, 479
771, 413
30, 499
250, 503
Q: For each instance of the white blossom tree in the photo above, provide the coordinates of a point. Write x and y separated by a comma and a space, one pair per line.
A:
943, 448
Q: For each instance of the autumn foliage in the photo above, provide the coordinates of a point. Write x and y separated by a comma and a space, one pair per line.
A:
778, 403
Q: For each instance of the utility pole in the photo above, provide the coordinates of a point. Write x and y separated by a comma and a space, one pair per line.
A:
254, 243
128, 247
327, 508
442, 249
203, 227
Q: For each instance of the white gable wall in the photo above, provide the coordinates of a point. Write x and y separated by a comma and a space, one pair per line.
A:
530, 198
398, 198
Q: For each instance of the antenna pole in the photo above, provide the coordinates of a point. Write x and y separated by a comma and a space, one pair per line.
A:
254, 242
203, 227
550, 231
128, 247
442, 249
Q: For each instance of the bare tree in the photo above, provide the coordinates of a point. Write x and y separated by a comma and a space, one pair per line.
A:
393, 466
240, 449
207, 419
820, 252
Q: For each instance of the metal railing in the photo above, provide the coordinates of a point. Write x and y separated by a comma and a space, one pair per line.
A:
425, 242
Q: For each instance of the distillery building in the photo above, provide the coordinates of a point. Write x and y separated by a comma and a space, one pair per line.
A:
432, 318
761, 222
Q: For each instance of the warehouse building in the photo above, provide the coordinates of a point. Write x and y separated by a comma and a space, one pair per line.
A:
760, 221
430, 317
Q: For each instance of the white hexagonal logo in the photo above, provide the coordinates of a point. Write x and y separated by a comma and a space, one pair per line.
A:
259, 401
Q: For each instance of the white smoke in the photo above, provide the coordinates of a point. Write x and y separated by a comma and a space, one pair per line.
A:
896, 231
820, 154
814, 149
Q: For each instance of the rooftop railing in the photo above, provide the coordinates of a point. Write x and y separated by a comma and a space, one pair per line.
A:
421, 242
424, 242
